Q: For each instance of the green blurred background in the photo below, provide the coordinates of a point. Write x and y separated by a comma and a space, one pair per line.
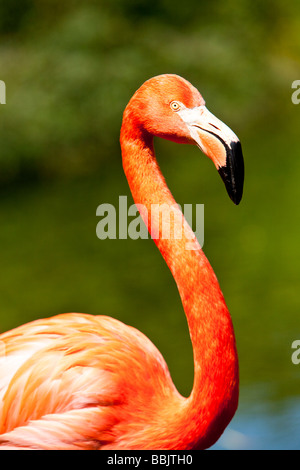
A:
70, 68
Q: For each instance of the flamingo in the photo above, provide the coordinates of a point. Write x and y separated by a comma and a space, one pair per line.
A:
79, 381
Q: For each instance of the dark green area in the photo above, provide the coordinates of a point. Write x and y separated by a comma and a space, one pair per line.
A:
70, 68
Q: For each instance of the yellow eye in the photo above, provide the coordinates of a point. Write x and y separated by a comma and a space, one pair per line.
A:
175, 106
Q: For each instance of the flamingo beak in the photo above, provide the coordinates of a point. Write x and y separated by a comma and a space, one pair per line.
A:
220, 144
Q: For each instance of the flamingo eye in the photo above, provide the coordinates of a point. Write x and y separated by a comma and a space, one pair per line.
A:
175, 106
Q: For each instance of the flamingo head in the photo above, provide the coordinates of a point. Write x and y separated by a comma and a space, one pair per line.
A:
168, 106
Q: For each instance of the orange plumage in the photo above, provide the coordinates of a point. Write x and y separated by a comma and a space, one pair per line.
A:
77, 381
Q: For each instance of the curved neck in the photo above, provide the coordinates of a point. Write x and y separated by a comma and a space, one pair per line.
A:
213, 400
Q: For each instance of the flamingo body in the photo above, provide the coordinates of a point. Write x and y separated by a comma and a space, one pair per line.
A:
61, 373
77, 381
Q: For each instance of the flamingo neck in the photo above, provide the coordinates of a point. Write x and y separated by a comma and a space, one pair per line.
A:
214, 396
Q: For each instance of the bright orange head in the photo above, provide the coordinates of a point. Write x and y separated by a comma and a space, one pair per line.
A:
168, 106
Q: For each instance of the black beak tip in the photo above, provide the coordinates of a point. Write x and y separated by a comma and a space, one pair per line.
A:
236, 199
232, 173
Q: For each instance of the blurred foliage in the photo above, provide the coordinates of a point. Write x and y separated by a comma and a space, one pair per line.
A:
70, 68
